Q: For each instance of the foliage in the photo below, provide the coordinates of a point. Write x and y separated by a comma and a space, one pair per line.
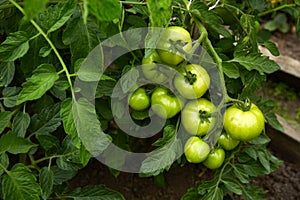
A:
43, 44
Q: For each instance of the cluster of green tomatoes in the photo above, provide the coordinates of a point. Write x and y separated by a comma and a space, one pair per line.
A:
191, 83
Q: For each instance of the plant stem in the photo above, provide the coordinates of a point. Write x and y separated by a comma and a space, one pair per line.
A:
65, 69
133, 2
276, 9
4, 169
217, 59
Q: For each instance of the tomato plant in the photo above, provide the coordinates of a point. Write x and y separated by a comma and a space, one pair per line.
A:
227, 142
244, 123
196, 150
164, 103
215, 159
139, 100
197, 116
174, 43
52, 92
192, 82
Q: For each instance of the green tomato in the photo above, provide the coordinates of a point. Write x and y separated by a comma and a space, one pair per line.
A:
227, 142
139, 100
215, 159
164, 104
197, 116
192, 82
151, 70
244, 125
173, 44
196, 150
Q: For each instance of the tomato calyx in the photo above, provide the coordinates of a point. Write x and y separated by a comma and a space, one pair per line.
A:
177, 46
204, 116
190, 77
246, 105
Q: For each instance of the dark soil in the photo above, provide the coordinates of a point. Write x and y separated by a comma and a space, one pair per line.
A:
281, 184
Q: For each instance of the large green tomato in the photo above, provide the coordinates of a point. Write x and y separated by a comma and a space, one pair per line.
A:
192, 81
152, 71
215, 159
227, 142
196, 150
173, 44
139, 100
164, 104
244, 125
197, 116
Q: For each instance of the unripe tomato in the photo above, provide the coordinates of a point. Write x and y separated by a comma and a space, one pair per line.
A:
165, 104
192, 81
174, 42
244, 125
152, 71
196, 150
215, 159
139, 100
197, 116
227, 142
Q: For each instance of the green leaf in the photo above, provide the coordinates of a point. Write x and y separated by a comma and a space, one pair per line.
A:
45, 51
69, 158
99, 192
11, 143
15, 46
231, 70
20, 183
271, 47
82, 37
241, 174
7, 72
262, 139
251, 152
267, 106
264, 159
56, 15
49, 143
252, 81
46, 181
191, 194
129, 80
105, 10
215, 193
140, 115
84, 155
20, 124
160, 12
60, 175
232, 186
105, 88
4, 161
168, 134
10, 96
42, 79
257, 62
34, 7
4, 120
161, 159
68, 120
46, 121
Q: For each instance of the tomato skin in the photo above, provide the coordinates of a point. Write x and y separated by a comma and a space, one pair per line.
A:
215, 159
192, 87
196, 150
163, 104
227, 142
244, 125
151, 69
139, 100
192, 120
174, 34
